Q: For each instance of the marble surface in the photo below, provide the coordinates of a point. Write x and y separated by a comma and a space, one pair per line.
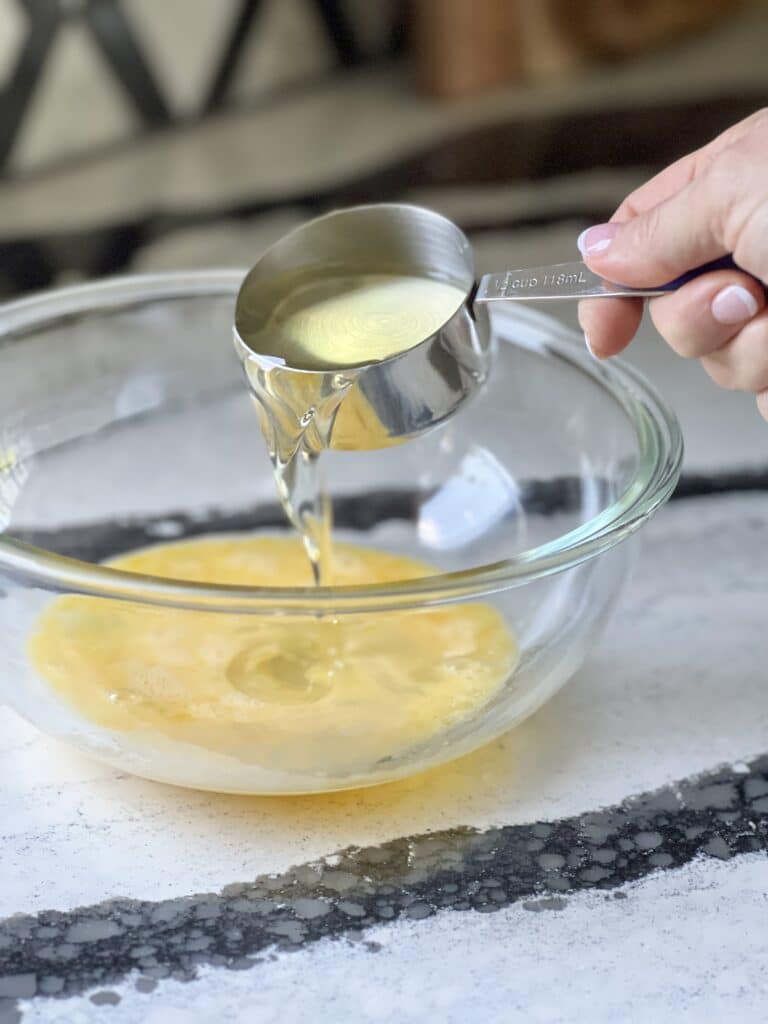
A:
598, 958
675, 690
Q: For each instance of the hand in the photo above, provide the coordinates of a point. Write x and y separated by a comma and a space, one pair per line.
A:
711, 203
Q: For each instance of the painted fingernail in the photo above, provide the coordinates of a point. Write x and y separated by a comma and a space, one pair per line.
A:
596, 239
733, 305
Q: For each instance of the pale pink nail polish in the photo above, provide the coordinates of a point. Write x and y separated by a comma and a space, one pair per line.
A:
733, 305
596, 239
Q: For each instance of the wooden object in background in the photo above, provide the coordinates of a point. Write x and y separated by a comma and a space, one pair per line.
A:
462, 47
619, 27
465, 46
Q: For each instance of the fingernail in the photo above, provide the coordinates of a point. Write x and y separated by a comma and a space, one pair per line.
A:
733, 305
596, 239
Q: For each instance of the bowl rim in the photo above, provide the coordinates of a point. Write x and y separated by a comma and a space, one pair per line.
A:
660, 451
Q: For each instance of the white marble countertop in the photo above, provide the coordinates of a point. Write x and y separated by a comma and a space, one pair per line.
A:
669, 714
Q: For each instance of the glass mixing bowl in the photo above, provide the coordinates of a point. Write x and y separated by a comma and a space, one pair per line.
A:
125, 421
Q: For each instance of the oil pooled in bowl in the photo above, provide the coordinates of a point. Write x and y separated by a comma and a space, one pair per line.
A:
316, 695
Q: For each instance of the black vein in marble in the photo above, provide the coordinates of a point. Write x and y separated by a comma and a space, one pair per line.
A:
721, 814
701, 485
98, 541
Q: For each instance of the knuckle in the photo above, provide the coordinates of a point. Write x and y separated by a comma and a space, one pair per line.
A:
674, 329
627, 208
754, 341
742, 364
723, 201
680, 328
736, 199
684, 344
647, 227
750, 250
719, 371
756, 379
648, 233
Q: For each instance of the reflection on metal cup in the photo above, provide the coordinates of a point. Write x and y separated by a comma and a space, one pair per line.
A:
397, 398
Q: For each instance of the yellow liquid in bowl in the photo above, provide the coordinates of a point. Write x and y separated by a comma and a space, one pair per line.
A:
311, 695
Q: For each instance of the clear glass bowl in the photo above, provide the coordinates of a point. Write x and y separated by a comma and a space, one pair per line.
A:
125, 421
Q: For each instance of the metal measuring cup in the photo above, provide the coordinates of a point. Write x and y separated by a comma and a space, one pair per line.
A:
398, 398
390, 401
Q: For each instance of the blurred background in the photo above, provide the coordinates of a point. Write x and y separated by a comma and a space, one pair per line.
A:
160, 134
143, 134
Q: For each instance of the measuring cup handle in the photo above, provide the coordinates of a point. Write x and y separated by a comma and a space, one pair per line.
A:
577, 281
723, 263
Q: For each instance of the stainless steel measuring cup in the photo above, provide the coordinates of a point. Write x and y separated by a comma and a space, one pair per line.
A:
398, 398
393, 400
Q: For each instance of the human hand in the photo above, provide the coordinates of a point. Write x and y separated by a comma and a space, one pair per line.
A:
709, 204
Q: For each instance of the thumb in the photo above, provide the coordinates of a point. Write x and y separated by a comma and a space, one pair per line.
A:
706, 219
